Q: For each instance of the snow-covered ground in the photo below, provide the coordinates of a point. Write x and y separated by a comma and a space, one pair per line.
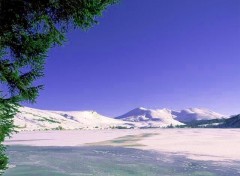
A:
198, 144
203, 144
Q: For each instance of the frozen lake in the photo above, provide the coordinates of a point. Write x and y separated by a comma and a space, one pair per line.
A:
180, 152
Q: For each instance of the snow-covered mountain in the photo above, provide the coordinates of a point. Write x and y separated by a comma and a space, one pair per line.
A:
150, 118
191, 114
166, 117
35, 119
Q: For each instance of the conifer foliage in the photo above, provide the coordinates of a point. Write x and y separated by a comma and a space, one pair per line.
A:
28, 29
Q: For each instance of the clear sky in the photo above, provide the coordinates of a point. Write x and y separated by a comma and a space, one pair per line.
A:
158, 53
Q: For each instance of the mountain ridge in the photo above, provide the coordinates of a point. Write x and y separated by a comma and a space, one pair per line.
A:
35, 119
184, 115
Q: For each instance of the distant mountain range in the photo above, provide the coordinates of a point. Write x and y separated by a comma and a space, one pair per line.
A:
167, 116
34, 119
232, 122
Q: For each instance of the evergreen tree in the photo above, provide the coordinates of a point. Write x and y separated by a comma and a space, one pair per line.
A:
28, 29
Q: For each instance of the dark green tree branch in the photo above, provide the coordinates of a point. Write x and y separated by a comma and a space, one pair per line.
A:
28, 29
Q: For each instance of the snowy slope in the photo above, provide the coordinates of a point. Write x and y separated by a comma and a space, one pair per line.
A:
150, 118
191, 114
34, 119
165, 117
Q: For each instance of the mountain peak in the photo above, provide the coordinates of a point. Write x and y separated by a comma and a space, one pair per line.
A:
142, 108
150, 117
186, 115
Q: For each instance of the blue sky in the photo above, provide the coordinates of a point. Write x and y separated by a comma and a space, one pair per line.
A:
159, 53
